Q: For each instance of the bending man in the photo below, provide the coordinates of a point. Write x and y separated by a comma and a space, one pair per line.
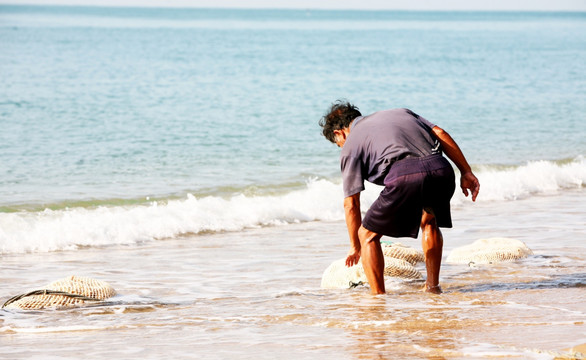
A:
402, 151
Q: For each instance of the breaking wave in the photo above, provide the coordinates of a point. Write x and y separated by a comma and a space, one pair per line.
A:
320, 200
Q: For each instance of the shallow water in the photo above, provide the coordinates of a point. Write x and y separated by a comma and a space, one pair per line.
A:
257, 294
104, 104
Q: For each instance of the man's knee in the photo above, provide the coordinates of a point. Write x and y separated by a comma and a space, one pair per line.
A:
428, 219
366, 236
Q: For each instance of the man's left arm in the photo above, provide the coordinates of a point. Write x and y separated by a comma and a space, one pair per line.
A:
468, 180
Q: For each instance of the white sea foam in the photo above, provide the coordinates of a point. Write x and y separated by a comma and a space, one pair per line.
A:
51, 230
320, 200
534, 178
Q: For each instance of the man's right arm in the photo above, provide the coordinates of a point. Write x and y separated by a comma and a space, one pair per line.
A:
468, 180
353, 222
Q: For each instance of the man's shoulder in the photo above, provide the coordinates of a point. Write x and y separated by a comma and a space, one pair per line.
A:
392, 113
400, 115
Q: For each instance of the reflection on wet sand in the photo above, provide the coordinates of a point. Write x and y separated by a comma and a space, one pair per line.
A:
455, 325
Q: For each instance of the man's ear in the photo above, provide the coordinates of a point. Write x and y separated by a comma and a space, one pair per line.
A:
341, 133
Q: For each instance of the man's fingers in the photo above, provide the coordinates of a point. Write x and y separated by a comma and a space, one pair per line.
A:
351, 261
473, 191
470, 185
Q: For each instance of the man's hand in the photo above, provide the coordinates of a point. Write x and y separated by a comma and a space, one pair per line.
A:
468, 181
353, 257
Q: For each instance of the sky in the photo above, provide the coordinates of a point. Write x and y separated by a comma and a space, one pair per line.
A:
533, 5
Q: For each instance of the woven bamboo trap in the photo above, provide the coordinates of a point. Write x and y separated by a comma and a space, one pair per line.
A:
67, 292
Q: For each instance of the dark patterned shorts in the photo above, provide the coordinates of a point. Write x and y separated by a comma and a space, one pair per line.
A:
411, 186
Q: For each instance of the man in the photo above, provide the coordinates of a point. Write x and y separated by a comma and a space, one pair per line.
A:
402, 151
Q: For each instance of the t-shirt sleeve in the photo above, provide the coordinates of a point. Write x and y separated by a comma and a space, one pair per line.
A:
421, 119
352, 180
426, 122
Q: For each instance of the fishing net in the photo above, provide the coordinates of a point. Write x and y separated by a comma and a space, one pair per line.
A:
339, 276
489, 251
400, 251
70, 291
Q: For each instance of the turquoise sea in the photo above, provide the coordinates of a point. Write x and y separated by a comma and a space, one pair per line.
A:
136, 144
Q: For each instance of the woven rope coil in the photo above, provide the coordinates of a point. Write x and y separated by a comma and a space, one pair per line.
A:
70, 291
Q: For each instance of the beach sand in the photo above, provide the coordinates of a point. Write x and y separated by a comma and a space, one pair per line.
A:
256, 294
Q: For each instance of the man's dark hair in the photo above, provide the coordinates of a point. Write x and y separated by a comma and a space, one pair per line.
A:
338, 117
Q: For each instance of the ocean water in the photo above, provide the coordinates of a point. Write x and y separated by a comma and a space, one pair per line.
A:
175, 153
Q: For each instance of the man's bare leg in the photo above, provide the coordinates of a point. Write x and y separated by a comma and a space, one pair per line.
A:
373, 260
432, 243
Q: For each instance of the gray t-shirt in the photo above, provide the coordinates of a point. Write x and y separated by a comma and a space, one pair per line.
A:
377, 140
